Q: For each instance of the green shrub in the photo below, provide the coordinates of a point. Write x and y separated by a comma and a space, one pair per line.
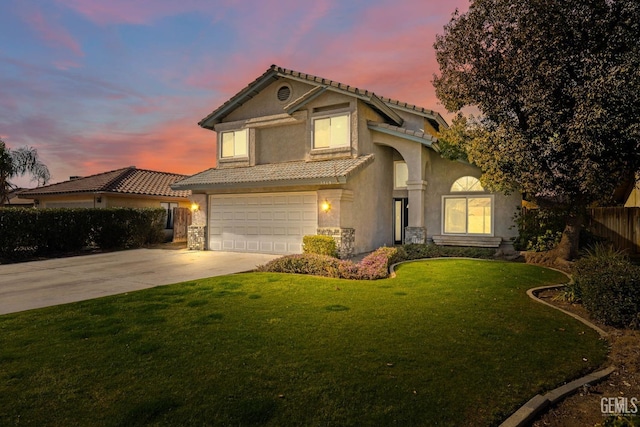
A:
420, 251
373, 266
320, 245
63, 230
621, 421
571, 293
376, 264
314, 264
538, 229
610, 287
19, 237
25, 232
123, 228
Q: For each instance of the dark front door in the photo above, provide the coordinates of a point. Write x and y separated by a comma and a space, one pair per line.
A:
400, 219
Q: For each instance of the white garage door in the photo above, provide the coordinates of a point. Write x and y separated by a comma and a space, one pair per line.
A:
265, 222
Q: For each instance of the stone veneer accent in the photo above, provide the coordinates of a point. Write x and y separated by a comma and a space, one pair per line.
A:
196, 236
345, 239
415, 235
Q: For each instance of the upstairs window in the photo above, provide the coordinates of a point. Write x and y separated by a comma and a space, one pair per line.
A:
234, 144
331, 132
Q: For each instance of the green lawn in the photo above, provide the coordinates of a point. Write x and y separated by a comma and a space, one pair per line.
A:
447, 342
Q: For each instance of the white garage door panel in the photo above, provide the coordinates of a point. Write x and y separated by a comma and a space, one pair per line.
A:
268, 222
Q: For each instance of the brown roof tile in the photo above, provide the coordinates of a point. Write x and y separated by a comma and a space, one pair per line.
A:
275, 71
296, 173
128, 180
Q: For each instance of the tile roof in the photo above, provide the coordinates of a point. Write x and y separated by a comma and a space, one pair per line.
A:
293, 173
421, 136
274, 72
128, 180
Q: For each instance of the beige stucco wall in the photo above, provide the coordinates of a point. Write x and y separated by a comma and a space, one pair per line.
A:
106, 201
281, 144
441, 174
266, 103
437, 176
370, 190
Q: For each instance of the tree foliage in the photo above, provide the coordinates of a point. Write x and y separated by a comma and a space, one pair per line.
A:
557, 85
18, 162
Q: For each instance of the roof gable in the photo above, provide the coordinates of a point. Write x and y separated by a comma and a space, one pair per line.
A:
128, 180
385, 106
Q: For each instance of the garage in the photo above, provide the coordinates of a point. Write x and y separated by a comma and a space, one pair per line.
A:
262, 222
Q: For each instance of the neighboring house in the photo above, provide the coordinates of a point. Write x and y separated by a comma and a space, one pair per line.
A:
632, 199
298, 154
127, 187
15, 201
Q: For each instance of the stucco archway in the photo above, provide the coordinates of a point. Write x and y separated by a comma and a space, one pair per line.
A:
416, 157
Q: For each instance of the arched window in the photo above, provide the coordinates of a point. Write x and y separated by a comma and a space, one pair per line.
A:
467, 183
467, 214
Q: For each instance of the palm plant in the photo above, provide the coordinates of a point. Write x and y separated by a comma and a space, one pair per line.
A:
18, 162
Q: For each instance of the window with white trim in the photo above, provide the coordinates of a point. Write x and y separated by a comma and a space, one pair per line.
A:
331, 132
400, 175
467, 213
234, 144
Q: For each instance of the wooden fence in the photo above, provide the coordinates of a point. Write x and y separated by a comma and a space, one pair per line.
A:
181, 222
621, 226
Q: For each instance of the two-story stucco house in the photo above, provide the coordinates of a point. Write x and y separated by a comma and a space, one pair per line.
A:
299, 154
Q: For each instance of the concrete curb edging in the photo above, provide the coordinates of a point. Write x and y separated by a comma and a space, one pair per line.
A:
533, 295
527, 412
538, 403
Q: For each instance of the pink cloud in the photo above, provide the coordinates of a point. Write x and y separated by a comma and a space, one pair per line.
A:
388, 49
176, 146
397, 61
139, 12
52, 32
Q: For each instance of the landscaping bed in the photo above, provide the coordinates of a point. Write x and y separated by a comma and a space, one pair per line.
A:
584, 407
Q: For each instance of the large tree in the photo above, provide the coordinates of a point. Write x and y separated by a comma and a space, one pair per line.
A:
19, 162
557, 87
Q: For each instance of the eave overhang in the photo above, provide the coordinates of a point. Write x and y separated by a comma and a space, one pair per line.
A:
301, 173
416, 136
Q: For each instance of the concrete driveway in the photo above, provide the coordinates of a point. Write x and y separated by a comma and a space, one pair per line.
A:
36, 284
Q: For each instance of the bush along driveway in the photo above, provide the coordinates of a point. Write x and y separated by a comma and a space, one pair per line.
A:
446, 342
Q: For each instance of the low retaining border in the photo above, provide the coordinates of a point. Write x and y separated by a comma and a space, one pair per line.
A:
536, 405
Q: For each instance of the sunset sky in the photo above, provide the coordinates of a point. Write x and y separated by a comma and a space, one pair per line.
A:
100, 85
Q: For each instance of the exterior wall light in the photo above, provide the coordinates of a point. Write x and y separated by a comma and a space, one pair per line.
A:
325, 206
195, 207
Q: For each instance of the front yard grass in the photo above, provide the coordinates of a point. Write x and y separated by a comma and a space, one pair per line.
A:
446, 342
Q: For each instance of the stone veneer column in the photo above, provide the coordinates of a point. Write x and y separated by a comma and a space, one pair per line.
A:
345, 239
415, 235
416, 232
337, 221
196, 237
197, 231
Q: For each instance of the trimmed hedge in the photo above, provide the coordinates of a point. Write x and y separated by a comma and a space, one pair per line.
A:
26, 232
373, 266
321, 245
419, 251
609, 285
